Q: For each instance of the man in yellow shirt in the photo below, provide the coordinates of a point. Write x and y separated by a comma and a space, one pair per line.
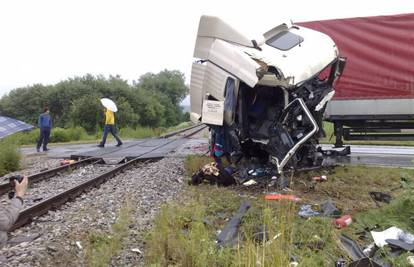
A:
109, 128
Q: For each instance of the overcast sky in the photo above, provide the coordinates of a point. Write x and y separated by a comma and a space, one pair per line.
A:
49, 41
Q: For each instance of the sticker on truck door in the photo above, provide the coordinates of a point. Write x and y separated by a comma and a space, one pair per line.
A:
213, 112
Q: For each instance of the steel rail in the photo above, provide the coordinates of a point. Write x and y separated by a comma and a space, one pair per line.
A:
5, 187
167, 135
27, 215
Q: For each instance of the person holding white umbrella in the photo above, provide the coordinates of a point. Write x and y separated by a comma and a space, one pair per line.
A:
110, 108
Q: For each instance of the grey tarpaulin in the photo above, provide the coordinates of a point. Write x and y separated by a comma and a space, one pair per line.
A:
10, 126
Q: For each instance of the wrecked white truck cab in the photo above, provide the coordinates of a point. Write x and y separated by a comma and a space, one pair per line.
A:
265, 97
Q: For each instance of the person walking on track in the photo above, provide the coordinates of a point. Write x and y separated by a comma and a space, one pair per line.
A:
109, 128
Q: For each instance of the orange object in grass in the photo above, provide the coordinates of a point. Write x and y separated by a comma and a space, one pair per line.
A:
281, 197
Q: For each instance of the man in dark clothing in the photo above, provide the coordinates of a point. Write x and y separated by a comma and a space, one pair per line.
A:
45, 125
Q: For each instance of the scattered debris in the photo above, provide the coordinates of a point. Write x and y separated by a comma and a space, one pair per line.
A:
258, 172
282, 197
137, 250
250, 182
321, 178
380, 197
370, 250
329, 209
274, 238
78, 244
214, 174
400, 244
364, 262
306, 211
261, 235
352, 248
340, 263
364, 233
342, 221
410, 260
228, 236
66, 162
391, 233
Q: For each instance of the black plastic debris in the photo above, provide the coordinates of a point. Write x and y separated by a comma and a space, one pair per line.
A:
261, 234
340, 263
400, 244
365, 233
228, 236
364, 262
352, 248
329, 209
380, 197
357, 255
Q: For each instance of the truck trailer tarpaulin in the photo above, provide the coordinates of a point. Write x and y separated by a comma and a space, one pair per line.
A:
380, 55
376, 91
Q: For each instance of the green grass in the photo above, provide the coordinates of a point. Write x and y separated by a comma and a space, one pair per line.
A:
185, 231
9, 157
184, 234
102, 247
139, 132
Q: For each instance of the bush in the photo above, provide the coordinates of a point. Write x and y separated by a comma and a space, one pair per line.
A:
9, 157
59, 135
139, 132
24, 138
77, 133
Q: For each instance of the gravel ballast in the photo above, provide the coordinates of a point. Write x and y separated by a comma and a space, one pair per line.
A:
148, 187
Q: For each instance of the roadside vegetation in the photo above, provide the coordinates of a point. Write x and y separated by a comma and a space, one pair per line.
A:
185, 232
153, 101
9, 157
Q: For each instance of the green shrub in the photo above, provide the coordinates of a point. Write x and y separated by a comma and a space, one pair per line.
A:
139, 132
24, 138
59, 135
77, 133
9, 157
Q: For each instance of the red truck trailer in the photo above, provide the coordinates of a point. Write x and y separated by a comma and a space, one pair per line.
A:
374, 98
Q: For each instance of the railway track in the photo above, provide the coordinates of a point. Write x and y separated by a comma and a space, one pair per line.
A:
55, 201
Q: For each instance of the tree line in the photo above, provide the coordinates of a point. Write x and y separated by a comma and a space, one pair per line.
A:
153, 100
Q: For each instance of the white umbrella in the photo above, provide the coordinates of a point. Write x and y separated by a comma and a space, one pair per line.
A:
109, 104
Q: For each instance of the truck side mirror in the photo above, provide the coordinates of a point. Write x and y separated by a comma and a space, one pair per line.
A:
340, 66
